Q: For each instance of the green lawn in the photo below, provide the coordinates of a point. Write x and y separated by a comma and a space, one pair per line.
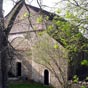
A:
27, 85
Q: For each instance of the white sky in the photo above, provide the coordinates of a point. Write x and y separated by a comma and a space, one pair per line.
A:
8, 4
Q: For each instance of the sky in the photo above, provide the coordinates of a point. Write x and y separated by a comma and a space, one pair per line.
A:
8, 4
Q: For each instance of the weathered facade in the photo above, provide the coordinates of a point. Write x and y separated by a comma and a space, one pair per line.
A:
36, 55
27, 38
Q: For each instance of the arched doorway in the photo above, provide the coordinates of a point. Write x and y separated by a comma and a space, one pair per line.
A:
18, 66
46, 77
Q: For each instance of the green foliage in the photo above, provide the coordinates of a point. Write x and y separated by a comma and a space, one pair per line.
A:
68, 14
58, 11
26, 14
40, 33
39, 19
49, 28
83, 86
56, 46
75, 79
67, 32
68, 35
76, 12
84, 62
47, 17
86, 78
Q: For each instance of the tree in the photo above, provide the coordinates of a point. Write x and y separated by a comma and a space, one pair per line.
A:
50, 54
70, 30
3, 48
4, 31
76, 12
70, 33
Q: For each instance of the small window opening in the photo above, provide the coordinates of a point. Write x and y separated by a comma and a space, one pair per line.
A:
18, 67
46, 77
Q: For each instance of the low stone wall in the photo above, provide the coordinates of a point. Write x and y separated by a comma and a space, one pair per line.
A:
80, 84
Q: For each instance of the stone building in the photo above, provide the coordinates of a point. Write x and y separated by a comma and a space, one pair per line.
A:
36, 55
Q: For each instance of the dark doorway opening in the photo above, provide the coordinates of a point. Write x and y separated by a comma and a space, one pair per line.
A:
18, 68
46, 77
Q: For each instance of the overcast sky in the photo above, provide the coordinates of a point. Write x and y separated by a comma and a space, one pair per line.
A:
8, 4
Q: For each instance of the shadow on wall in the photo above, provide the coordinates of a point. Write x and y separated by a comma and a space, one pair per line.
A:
22, 67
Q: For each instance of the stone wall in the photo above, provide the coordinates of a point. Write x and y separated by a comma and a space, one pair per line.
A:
22, 54
45, 56
79, 84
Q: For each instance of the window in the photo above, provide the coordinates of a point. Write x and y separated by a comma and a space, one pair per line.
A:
46, 77
18, 66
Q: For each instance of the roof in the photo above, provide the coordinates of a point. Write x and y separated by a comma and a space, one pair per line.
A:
37, 9
10, 18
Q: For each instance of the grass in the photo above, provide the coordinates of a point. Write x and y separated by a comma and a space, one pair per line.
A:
27, 85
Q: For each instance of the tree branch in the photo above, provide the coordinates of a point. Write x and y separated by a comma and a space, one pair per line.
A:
13, 16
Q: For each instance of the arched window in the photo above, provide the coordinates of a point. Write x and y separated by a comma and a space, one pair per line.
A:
46, 77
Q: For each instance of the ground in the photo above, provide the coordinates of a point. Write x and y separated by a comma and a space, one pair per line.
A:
26, 84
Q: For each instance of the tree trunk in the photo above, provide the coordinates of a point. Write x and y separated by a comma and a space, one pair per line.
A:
3, 51
4, 60
1, 16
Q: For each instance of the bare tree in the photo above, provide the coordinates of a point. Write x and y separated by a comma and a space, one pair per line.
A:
4, 43
51, 54
3, 51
